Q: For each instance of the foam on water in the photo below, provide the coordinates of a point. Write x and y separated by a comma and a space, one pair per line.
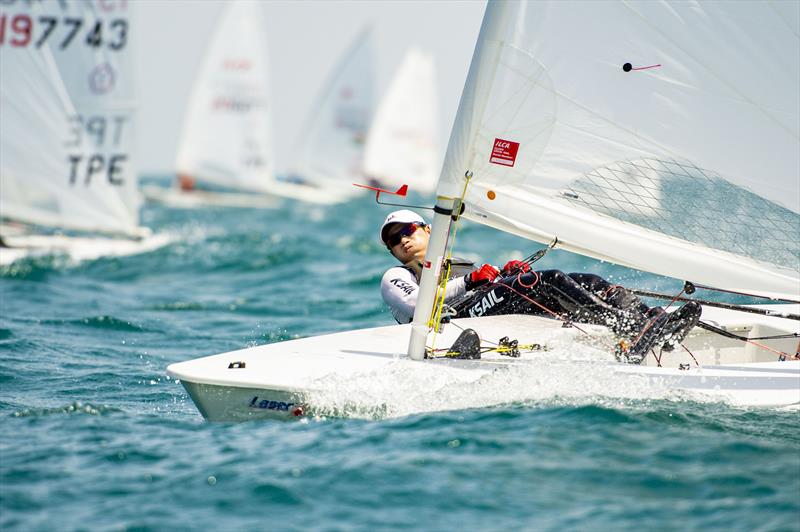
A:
565, 375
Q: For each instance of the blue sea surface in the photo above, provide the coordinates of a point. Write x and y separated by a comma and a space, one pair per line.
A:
95, 436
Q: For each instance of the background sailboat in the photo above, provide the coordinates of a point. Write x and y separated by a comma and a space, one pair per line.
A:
329, 155
225, 156
403, 142
67, 159
666, 147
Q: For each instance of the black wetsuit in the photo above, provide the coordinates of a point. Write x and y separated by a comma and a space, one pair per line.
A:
582, 297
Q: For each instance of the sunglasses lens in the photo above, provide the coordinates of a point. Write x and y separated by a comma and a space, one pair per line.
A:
406, 230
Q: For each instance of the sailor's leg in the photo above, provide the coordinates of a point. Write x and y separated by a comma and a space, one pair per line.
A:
551, 292
583, 305
615, 295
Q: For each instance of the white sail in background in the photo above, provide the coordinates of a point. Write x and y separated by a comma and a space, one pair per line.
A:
330, 150
226, 139
403, 142
660, 136
67, 116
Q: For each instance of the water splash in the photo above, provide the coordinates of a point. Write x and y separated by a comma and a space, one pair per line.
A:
568, 374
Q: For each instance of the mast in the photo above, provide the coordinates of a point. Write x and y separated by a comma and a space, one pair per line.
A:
434, 256
448, 193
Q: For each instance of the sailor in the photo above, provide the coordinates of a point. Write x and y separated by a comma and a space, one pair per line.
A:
186, 182
516, 289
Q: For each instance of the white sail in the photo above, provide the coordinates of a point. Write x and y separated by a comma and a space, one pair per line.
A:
67, 116
403, 141
226, 139
661, 136
330, 150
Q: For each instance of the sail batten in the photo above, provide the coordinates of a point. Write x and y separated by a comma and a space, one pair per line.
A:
647, 134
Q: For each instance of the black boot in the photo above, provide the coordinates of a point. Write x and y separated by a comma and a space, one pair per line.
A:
680, 323
627, 324
648, 337
663, 330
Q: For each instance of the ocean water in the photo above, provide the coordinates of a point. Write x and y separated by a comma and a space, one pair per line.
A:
95, 436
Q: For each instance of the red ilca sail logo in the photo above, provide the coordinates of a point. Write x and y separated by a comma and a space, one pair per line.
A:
504, 152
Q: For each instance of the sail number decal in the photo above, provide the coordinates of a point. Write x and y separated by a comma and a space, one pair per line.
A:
504, 152
23, 30
107, 158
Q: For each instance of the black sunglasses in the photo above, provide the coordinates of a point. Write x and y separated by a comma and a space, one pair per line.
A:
406, 230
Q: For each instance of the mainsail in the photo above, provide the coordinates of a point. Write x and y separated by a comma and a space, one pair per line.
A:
226, 139
330, 150
403, 142
67, 116
658, 136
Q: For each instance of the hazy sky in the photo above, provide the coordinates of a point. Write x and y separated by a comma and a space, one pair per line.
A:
306, 39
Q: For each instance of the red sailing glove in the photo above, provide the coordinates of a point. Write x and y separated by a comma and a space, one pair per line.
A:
482, 275
513, 267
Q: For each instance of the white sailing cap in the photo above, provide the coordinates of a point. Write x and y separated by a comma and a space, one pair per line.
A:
400, 217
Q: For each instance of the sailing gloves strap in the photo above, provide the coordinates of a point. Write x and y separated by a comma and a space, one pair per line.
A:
513, 267
486, 273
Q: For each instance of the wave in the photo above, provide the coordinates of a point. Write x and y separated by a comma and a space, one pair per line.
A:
99, 322
74, 408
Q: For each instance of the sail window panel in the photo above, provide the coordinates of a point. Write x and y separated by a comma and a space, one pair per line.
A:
628, 188
693, 204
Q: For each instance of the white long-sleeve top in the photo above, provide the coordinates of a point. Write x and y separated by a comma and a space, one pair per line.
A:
400, 288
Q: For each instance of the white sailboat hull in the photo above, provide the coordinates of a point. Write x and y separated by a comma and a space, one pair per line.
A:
313, 193
77, 248
180, 199
366, 373
278, 191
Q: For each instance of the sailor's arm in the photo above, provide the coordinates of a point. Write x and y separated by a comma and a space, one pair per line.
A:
399, 289
456, 286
